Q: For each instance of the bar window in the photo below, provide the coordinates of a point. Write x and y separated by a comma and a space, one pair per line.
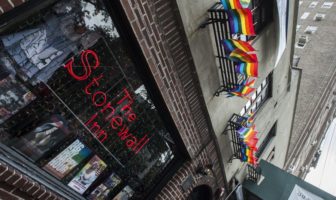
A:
262, 13
74, 104
263, 92
270, 135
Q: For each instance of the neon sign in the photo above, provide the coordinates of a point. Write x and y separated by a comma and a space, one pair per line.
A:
118, 121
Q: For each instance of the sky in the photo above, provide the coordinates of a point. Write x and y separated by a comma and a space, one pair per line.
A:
323, 176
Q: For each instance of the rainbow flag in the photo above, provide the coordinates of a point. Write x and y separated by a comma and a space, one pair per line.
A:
242, 91
252, 143
250, 119
241, 21
247, 133
231, 44
244, 157
239, 56
248, 69
248, 82
231, 4
248, 155
251, 158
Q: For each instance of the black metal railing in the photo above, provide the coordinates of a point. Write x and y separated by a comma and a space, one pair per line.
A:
253, 173
234, 124
221, 30
262, 16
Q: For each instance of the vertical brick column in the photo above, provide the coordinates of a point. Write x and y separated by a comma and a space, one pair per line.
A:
7, 5
157, 27
15, 185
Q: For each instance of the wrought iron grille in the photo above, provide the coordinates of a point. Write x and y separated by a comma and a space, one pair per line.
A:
262, 16
235, 123
253, 173
221, 30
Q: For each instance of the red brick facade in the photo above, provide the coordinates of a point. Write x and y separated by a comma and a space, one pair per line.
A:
159, 32
7, 5
14, 186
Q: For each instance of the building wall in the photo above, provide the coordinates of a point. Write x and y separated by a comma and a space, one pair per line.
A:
278, 109
158, 30
14, 186
161, 37
316, 96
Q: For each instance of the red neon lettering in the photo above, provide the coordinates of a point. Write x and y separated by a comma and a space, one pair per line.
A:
131, 117
85, 64
91, 119
100, 99
94, 99
101, 134
127, 96
123, 134
116, 122
93, 82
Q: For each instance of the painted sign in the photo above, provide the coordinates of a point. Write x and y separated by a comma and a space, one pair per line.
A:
69, 158
299, 193
114, 108
87, 175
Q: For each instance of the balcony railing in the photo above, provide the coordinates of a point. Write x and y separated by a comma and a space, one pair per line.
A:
235, 123
253, 173
218, 19
220, 28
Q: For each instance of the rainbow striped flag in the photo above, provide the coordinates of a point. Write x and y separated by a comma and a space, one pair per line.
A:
239, 55
231, 44
248, 69
242, 91
241, 21
250, 119
251, 158
247, 132
244, 157
231, 4
248, 155
248, 82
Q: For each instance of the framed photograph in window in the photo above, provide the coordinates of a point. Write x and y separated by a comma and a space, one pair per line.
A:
43, 138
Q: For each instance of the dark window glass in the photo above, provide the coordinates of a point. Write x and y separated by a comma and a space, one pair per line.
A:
72, 102
263, 92
262, 13
270, 135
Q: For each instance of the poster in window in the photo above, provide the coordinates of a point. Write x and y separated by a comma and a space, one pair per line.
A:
103, 190
13, 95
47, 135
40, 50
125, 194
69, 158
87, 175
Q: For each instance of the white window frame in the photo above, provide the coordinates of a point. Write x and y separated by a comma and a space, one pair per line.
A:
313, 4
311, 29
305, 15
327, 5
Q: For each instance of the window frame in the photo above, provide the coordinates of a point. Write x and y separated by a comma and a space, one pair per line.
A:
266, 84
132, 46
258, 7
266, 141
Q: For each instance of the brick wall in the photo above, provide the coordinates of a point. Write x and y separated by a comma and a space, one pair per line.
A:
7, 5
159, 31
160, 34
14, 185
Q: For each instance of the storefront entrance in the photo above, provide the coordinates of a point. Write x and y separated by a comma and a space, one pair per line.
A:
202, 192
